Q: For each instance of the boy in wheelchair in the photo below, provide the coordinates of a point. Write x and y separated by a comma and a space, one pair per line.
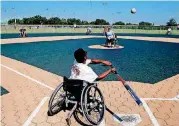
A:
77, 90
81, 71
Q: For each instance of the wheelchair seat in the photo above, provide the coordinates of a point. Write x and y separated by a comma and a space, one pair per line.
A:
73, 86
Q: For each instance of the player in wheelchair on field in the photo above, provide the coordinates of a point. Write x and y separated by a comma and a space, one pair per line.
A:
111, 38
81, 90
89, 31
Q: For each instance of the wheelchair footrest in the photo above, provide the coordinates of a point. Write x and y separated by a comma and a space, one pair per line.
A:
68, 122
71, 112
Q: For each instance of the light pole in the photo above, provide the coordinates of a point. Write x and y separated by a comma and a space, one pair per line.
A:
5, 14
104, 4
14, 16
74, 18
118, 13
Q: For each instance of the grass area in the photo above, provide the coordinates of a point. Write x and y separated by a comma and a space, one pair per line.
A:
83, 30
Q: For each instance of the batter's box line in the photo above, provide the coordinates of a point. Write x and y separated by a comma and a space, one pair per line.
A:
34, 113
149, 112
162, 99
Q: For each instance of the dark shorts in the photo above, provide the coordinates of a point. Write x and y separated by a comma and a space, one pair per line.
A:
110, 40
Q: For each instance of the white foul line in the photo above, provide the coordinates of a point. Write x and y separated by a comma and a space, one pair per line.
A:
153, 119
27, 77
161, 99
27, 123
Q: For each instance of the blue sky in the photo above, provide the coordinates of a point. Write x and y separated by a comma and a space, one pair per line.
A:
152, 11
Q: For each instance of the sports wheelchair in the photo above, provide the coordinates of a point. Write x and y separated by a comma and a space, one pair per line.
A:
82, 96
112, 42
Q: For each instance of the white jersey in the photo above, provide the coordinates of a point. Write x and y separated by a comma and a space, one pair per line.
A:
89, 28
82, 71
110, 34
169, 29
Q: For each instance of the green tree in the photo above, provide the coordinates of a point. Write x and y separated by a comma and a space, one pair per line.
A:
129, 24
25, 20
84, 23
119, 23
71, 21
101, 22
38, 19
92, 23
35, 20
12, 21
172, 22
145, 23
78, 21
54, 20
64, 21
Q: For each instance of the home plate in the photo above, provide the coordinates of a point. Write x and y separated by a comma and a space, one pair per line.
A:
177, 96
129, 119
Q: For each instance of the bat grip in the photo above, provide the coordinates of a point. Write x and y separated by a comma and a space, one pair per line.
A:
115, 71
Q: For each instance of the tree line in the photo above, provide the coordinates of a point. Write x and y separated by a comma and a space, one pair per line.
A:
56, 21
70, 21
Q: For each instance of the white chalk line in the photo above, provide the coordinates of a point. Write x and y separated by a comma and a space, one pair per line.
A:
161, 99
42, 84
152, 117
34, 113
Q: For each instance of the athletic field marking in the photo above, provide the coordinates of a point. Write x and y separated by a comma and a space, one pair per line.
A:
152, 117
128, 119
177, 97
161, 99
42, 84
34, 113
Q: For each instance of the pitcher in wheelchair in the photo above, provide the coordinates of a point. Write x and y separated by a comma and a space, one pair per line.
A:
80, 91
111, 38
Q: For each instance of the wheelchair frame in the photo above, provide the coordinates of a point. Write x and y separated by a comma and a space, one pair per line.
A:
79, 104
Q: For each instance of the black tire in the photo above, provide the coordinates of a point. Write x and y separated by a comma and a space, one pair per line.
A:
57, 96
100, 105
76, 113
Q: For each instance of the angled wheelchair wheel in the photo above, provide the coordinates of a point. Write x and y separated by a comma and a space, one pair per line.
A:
56, 101
94, 107
79, 117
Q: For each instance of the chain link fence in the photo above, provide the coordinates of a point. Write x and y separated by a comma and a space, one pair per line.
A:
135, 29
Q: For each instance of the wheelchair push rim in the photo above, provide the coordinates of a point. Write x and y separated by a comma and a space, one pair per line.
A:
94, 106
57, 100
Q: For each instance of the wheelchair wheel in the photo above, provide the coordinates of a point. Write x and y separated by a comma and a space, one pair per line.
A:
56, 101
80, 118
94, 107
